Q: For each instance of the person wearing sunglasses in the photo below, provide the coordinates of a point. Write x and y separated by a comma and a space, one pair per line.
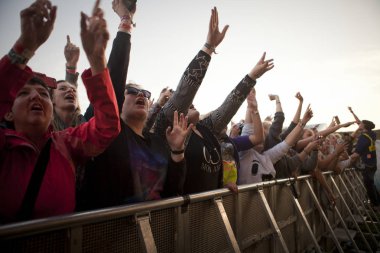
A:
203, 155
137, 166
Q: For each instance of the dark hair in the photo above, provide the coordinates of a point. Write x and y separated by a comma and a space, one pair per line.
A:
368, 125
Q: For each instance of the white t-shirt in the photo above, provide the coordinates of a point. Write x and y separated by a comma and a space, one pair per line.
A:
253, 164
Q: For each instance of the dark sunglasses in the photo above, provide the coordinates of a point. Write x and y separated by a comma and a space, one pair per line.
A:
135, 91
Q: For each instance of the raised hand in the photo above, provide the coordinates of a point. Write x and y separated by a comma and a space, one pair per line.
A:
299, 97
164, 96
307, 115
94, 36
177, 134
71, 53
37, 22
261, 67
122, 10
214, 36
251, 100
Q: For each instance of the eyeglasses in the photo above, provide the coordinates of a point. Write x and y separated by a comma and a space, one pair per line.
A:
135, 91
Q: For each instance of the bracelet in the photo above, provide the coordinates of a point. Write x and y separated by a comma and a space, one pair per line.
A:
177, 152
301, 124
71, 67
127, 18
209, 47
22, 58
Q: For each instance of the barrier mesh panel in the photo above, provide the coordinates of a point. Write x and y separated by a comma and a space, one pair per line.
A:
229, 203
163, 225
118, 235
54, 241
284, 203
263, 246
289, 235
121, 235
253, 216
206, 228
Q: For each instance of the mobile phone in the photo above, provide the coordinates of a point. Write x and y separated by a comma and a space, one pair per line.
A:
337, 119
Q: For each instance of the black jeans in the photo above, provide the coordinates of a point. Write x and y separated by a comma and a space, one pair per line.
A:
369, 183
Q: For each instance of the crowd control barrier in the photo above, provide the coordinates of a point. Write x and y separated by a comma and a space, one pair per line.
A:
284, 215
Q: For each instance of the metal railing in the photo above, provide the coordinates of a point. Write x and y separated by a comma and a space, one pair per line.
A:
264, 217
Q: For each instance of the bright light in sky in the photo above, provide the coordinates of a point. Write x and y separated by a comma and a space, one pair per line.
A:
327, 50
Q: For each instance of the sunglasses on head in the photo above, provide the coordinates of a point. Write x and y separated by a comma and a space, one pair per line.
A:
135, 91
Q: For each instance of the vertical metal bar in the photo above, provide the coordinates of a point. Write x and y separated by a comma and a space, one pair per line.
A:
352, 217
357, 210
180, 230
365, 196
273, 220
301, 213
145, 233
76, 238
228, 229
361, 204
326, 220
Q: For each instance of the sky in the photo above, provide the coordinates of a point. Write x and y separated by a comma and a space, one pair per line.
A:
327, 50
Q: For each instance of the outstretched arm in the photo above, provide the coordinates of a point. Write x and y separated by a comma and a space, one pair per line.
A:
296, 117
219, 118
92, 137
118, 61
192, 78
297, 131
37, 23
253, 117
357, 120
71, 52
302, 143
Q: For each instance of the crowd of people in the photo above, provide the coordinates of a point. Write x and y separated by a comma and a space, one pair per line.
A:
125, 149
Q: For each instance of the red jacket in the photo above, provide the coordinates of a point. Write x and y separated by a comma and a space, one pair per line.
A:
69, 148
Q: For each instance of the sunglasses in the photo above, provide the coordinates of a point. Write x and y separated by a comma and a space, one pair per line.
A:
135, 91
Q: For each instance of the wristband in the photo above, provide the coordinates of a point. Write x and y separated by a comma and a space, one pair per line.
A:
20, 58
209, 47
71, 67
177, 152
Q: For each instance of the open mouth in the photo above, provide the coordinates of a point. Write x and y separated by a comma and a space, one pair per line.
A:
70, 97
140, 101
37, 107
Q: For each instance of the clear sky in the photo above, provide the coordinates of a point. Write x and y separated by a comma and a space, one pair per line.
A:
327, 50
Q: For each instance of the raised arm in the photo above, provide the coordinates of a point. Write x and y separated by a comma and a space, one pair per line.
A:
71, 53
357, 120
118, 61
92, 137
37, 23
253, 117
296, 118
192, 77
219, 118
301, 144
294, 135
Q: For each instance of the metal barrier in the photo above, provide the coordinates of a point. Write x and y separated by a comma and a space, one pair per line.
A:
265, 217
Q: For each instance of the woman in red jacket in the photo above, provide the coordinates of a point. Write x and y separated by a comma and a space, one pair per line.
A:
26, 103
